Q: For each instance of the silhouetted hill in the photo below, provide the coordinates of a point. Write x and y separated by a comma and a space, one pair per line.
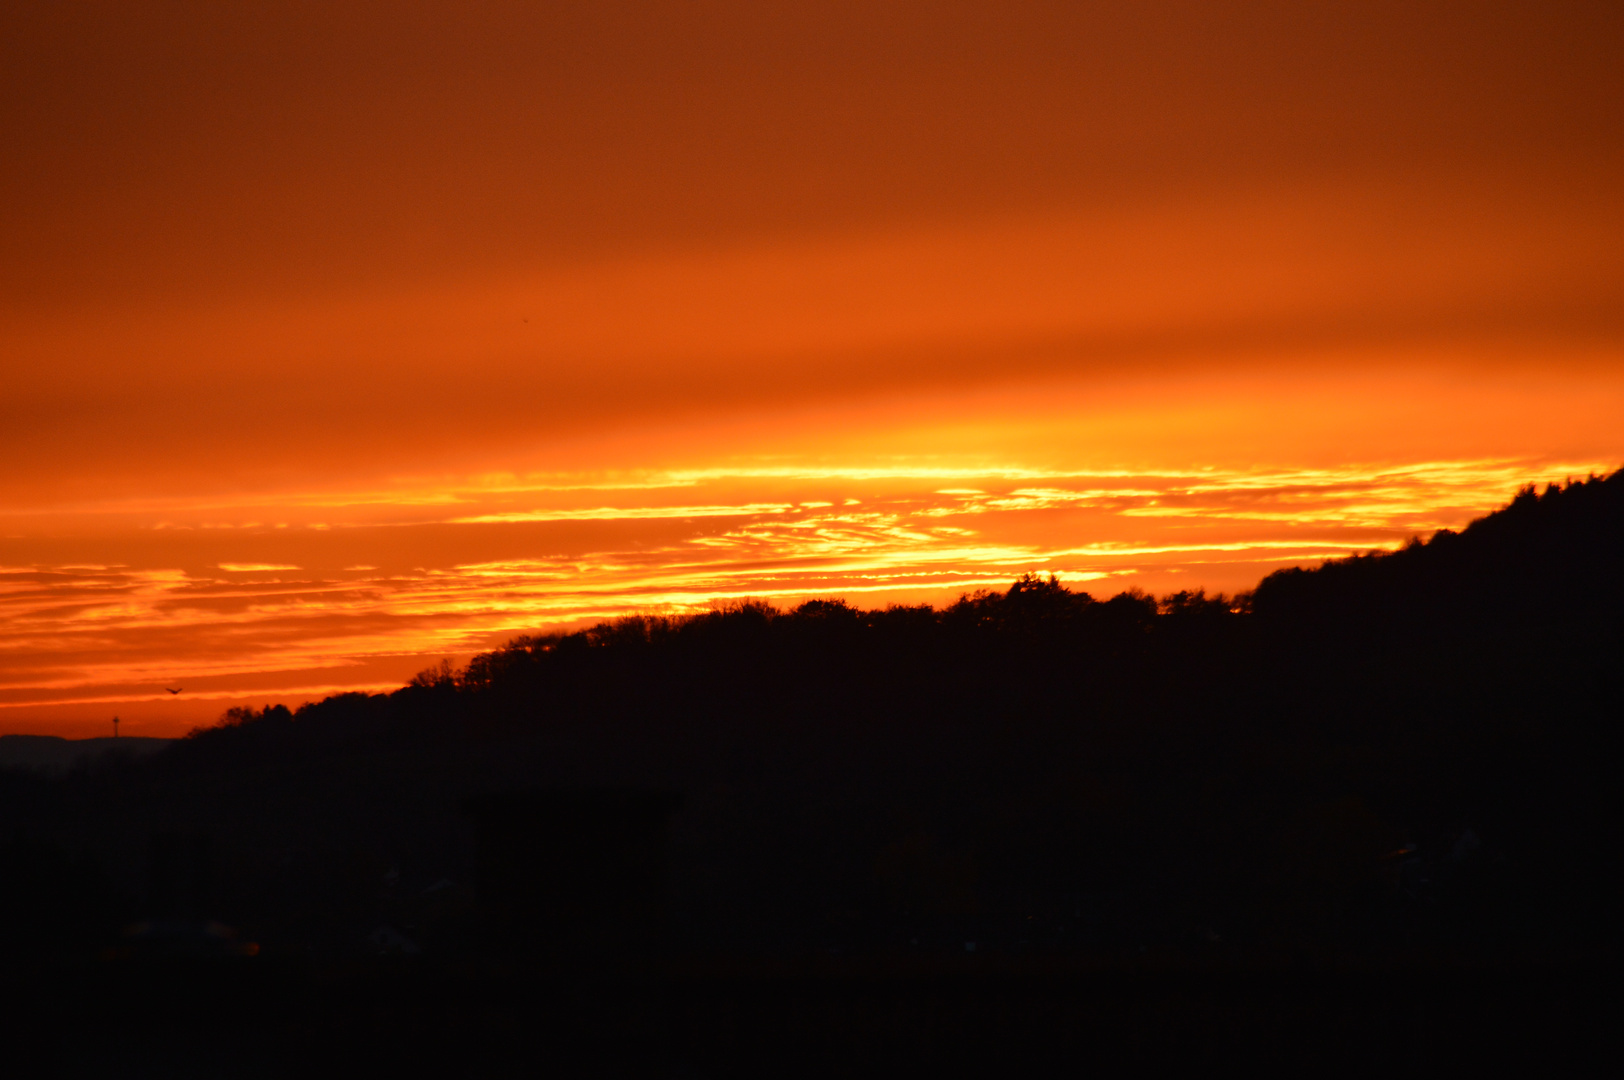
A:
1479, 678
1403, 757
1545, 556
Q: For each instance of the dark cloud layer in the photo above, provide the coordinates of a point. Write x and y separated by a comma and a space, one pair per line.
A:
182, 147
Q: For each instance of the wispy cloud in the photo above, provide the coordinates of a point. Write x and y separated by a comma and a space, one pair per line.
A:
97, 632
610, 513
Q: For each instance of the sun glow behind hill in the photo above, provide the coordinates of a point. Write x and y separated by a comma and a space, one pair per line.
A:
339, 495
299, 596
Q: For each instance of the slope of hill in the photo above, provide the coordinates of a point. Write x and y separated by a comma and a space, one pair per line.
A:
1556, 555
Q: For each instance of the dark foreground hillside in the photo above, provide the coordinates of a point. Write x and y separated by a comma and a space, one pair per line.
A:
1369, 811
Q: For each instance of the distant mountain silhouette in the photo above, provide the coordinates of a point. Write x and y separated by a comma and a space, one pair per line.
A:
54, 755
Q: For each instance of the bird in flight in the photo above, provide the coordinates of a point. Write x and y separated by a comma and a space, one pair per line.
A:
172, 691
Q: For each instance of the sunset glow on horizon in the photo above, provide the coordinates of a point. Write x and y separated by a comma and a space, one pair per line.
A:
338, 341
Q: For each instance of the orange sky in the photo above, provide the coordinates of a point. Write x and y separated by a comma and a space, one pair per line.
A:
337, 338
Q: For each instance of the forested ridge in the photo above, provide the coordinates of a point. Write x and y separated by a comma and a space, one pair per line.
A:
1412, 753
